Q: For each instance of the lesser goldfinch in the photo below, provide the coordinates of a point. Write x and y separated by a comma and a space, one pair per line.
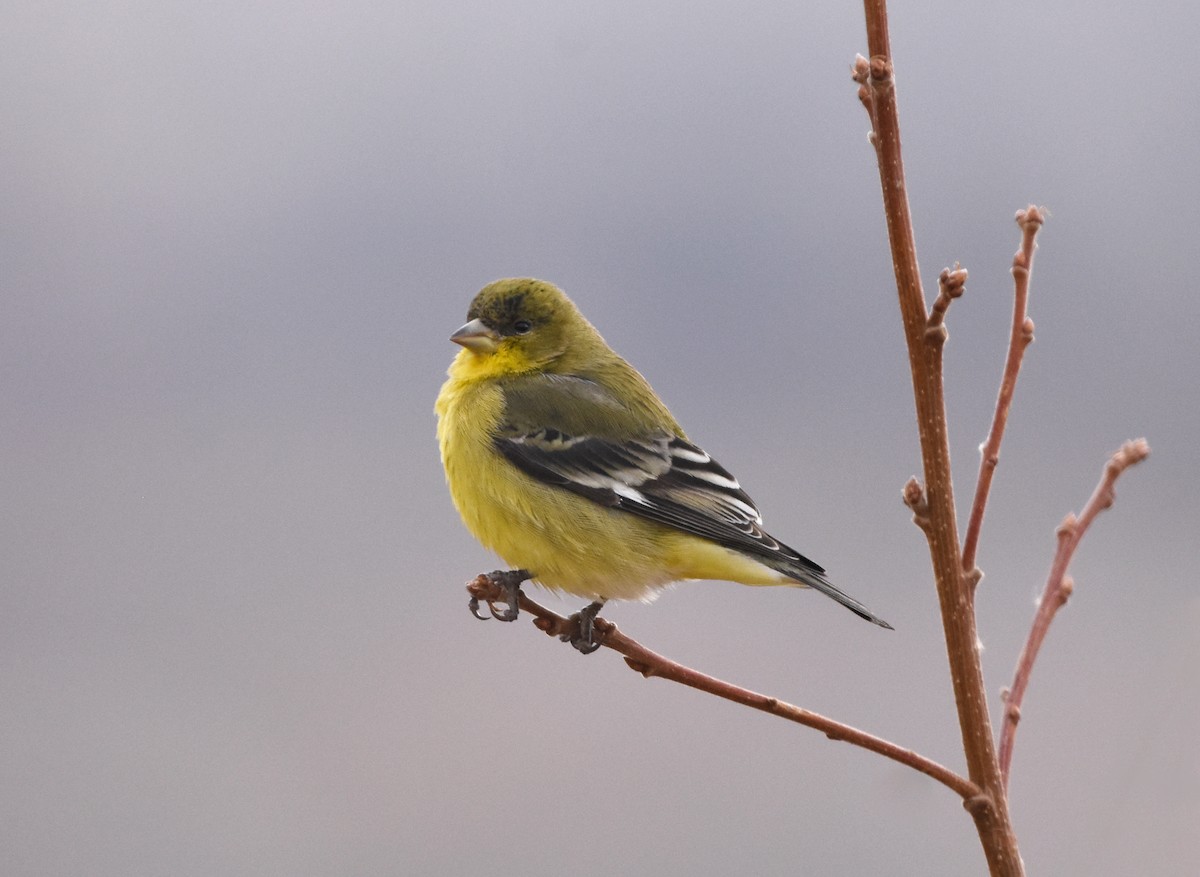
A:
562, 459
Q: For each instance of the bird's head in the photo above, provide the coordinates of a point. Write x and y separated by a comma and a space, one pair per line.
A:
521, 325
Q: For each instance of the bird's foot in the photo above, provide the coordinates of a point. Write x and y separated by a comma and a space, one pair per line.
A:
507, 581
582, 634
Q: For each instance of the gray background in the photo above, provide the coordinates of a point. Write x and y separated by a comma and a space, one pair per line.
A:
233, 635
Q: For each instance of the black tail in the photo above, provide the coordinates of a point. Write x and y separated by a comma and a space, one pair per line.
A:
815, 579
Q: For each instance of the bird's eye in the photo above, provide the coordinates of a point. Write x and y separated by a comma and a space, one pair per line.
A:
522, 327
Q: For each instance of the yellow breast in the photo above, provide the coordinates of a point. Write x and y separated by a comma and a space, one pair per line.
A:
569, 543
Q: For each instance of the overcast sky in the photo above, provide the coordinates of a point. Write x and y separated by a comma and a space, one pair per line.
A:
233, 241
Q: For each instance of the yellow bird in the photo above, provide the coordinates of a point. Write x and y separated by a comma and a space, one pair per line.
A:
562, 460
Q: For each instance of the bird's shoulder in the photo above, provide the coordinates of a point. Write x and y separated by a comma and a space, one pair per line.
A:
613, 405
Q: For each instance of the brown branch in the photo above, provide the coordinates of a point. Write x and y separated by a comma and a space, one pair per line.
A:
651, 664
877, 91
1058, 589
1030, 220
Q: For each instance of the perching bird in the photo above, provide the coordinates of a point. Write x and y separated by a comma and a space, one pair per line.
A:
562, 460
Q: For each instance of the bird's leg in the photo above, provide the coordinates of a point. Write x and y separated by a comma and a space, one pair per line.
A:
583, 638
510, 581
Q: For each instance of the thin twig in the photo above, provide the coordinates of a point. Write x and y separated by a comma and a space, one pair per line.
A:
951, 284
1058, 589
652, 664
1030, 220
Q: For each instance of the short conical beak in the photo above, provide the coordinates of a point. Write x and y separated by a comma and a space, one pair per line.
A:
477, 336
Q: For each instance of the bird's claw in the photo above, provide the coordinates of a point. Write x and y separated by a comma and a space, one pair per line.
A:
509, 613
508, 581
583, 633
582, 646
473, 605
